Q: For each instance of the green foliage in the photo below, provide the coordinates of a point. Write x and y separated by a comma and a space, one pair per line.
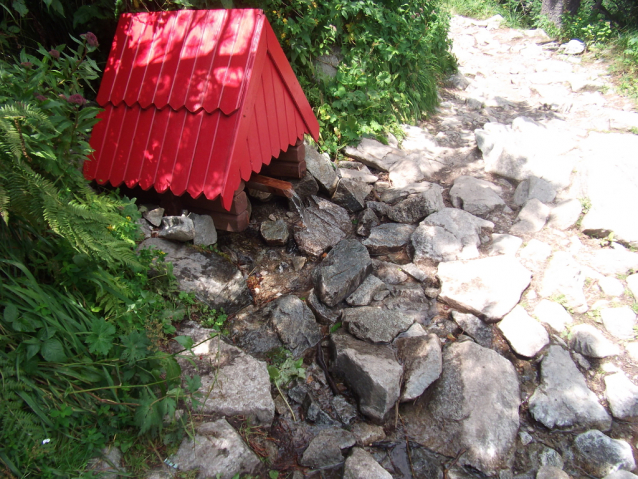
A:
391, 53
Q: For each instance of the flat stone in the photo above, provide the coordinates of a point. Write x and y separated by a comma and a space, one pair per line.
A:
357, 175
365, 292
325, 449
322, 169
214, 279
294, 323
532, 218
474, 328
374, 154
563, 399
351, 194
599, 455
466, 410
534, 254
414, 271
361, 465
323, 313
205, 232
533, 187
417, 207
551, 472
367, 434
622, 395
177, 228
488, 288
565, 214
478, 197
589, 341
397, 193
619, 322
564, 278
414, 167
374, 324
367, 220
525, 335
422, 362
154, 216
233, 382
611, 286
504, 244
341, 272
388, 237
389, 273
612, 262
370, 371
553, 314
216, 450
275, 233
326, 225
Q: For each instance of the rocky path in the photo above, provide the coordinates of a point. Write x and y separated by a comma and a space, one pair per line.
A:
483, 276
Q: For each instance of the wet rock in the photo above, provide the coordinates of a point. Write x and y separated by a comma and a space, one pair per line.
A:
505, 244
599, 455
551, 472
622, 395
525, 335
275, 233
233, 383
422, 363
325, 449
365, 292
323, 313
469, 411
553, 314
374, 154
488, 288
474, 328
389, 273
564, 278
315, 414
154, 216
341, 272
216, 450
375, 324
388, 237
528, 148
205, 232
448, 235
327, 224
478, 197
619, 322
367, 220
294, 323
361, 465
367, 434
371, 371
563, 399
177, 228
417, 207
589, 341
565, 214
351, 194
211, 277
345, 411
306, 186
533, 187
322, 169
532, 218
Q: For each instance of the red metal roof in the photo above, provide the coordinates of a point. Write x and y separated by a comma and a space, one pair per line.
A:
195, 101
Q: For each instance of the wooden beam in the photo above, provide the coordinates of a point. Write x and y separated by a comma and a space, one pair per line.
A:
270, 185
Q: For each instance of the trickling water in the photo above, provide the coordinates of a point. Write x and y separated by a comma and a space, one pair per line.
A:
301, 209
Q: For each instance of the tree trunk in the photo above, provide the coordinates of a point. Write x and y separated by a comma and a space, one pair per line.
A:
554, 9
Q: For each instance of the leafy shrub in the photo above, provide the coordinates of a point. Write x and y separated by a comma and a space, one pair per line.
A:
392, 54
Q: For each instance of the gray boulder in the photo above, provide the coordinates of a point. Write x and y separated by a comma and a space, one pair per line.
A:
565, 214
564, 279
361, 465
351, 194
533, 187
341, 272
205, 232
619, 322
323, 313
294, 323
430, 191
589, 341
422, 362
371, 371
326, 225
367, 220
177, 228
488, 288
563, 399
306, 186
275, 233
467, 411
505, 244
233, 382
365, 292
375, 324
417, 207
210, 276
622, 395
154, 216
388, 272
374, 154
531, 218
358, 175
216, 450
475, 328
599, 455
478, 197
388, 237
322, 169
553, 314
325, 449
525, 335
144, 228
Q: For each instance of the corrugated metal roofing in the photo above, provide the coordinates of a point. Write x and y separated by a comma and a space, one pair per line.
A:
195, 101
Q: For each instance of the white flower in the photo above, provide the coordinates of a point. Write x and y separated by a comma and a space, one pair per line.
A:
46, 441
